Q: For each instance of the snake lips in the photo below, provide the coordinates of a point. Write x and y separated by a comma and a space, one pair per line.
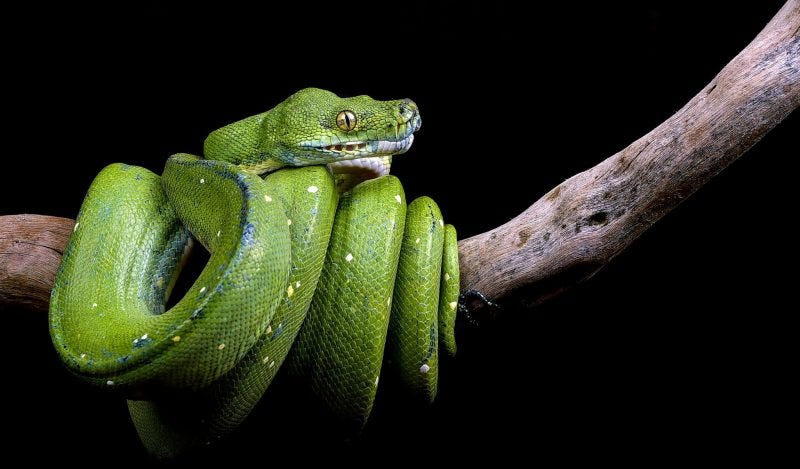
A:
296, 264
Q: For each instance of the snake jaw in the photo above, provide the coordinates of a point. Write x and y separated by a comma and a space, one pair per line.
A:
350, 147
354, 150
364, 149
367, 167
358, 161
368, 160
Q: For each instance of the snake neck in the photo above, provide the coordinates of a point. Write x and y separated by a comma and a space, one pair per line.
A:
250, 143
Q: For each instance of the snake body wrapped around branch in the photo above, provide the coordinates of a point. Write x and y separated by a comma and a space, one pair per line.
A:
360, 272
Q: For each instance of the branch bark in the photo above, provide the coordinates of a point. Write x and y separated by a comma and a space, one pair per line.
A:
30, 252
576, 228
579, 226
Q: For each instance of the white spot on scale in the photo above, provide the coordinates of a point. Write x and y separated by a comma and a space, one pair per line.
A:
177, 338
388, 301
83, 355
453, 304
94, 305
446, 277
267, 198
417, 241
289, 291
269, 329
265, 360
424, 368
313, 189
202, 181
272, 364
349, 257
441, 223
202, 289
288, 221
144, 337
398, 198
220, 346
109, 383
218, 233
75, 228
297, 285
376, 380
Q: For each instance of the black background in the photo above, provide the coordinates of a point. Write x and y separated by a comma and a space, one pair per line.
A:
677, 351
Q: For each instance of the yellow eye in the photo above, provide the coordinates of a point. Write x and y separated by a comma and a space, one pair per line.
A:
346, 120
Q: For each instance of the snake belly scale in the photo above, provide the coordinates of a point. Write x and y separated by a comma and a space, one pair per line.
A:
322, 257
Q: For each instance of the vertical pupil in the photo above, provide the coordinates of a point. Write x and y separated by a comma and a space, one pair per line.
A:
346, 120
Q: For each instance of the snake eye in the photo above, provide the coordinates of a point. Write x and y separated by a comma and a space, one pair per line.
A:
346, 120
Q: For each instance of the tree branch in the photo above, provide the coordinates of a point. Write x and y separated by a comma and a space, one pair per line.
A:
576, 228
579, 226
30, 252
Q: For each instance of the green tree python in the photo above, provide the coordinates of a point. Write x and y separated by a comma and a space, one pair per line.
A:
325, 241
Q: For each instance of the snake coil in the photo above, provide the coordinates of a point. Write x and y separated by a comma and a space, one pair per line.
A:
361, 272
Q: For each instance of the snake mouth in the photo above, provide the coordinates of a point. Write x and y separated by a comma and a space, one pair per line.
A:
359, 161
367, 160
369, 149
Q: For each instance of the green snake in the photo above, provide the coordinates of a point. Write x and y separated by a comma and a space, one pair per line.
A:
325, 241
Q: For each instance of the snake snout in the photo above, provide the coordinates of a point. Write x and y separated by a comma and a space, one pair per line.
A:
408, 108
409, 114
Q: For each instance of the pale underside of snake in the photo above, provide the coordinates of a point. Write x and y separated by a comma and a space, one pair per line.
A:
310, 258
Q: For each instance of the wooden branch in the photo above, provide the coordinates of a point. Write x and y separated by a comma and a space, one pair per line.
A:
576, 228
30, 252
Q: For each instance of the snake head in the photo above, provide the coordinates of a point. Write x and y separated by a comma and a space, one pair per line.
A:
314, 126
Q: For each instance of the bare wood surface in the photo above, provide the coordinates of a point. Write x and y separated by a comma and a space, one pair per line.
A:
580, 225
30, 252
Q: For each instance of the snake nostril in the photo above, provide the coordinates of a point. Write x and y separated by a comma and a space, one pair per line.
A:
408, 108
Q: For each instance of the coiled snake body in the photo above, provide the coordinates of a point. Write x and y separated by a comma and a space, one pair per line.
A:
279, 248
